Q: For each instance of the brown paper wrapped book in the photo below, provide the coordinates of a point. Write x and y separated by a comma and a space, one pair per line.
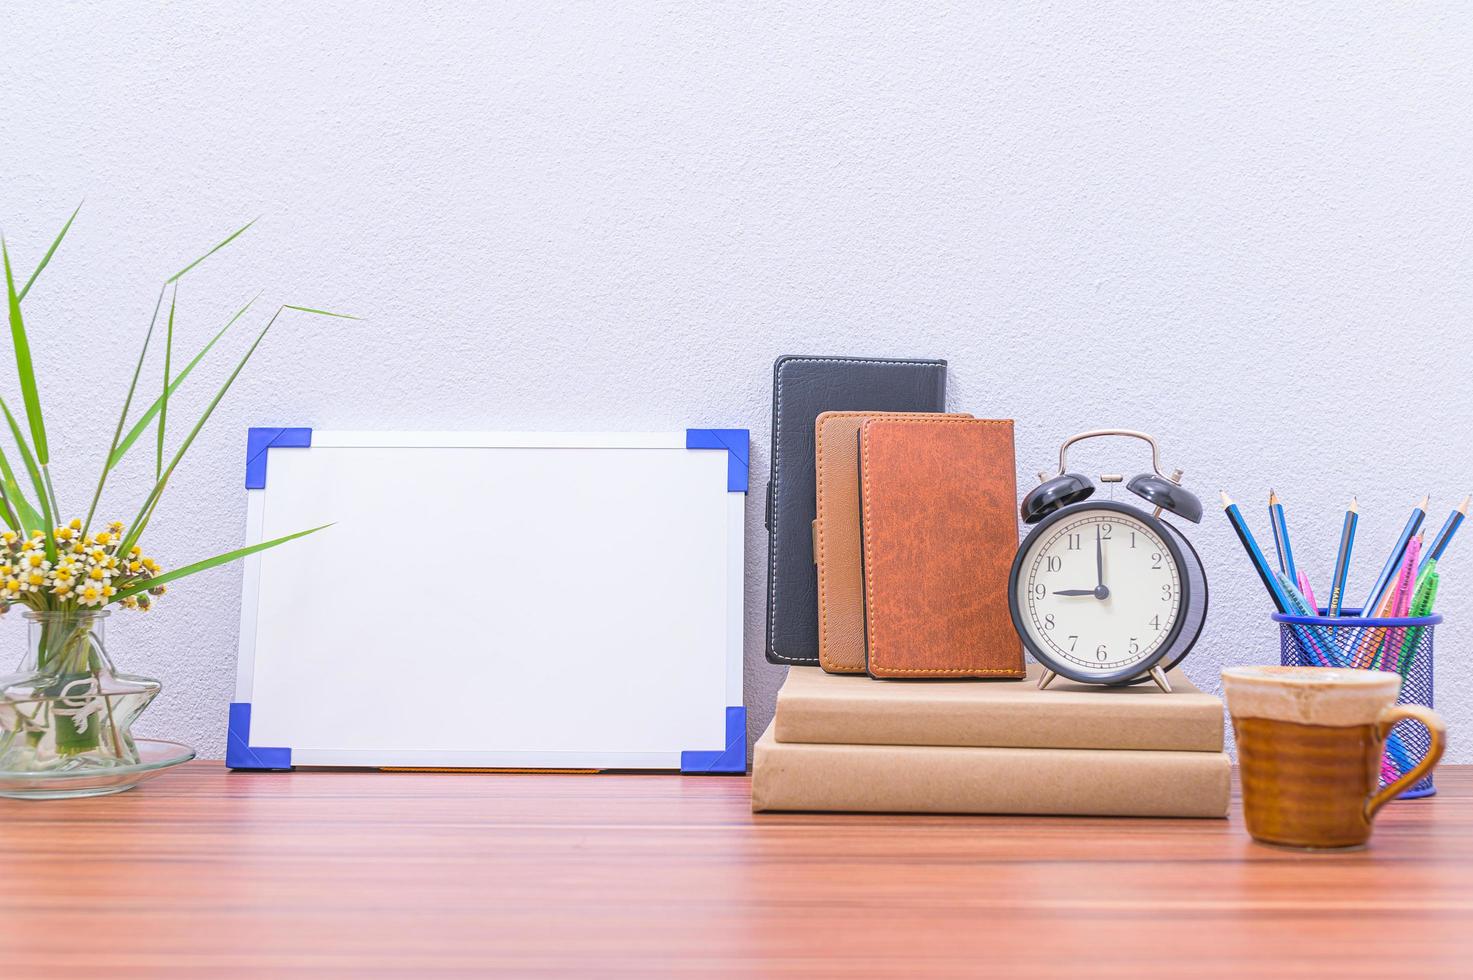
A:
948, 779
827, 708
844, 742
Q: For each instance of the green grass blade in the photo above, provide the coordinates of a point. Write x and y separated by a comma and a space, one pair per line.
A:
49, 522
234, 235
112, 450
158, 460
209, 563
18, 501
145, 513
143, 422
23, 366
8, 514
123, 415
50, 489
49, 252
28, 515
308, 309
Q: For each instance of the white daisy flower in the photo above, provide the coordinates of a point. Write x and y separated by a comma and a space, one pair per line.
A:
92, 594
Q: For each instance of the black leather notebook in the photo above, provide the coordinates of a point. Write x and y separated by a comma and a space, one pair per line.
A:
803, 387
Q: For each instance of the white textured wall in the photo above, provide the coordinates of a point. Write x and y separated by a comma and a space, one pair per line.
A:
1245, 228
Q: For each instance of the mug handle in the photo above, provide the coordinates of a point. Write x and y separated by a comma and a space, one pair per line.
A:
1436, 731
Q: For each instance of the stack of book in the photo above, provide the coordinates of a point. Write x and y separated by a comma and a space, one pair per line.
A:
846, 742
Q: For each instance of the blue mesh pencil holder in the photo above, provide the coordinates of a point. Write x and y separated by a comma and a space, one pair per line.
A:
1403, 645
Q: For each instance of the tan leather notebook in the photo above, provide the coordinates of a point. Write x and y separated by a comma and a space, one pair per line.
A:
938, 502
836, 545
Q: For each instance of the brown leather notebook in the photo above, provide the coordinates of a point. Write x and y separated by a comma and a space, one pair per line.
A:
938, 501
836, 544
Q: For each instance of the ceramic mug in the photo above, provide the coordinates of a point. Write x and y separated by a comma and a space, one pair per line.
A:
1310, 742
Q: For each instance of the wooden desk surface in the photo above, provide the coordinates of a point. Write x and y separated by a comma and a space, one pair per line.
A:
208, 873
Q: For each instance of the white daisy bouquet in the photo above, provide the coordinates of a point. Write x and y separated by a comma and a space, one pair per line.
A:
88, 570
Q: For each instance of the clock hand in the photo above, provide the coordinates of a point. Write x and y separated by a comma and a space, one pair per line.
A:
1099, 559
1100, 591
1074, 592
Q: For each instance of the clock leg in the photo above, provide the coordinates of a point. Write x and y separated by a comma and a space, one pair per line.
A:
1159, 676
1046, 678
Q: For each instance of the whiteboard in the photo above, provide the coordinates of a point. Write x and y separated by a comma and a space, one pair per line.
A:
490, 600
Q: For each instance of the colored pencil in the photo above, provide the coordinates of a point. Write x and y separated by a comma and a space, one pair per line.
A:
1422, 605
1398, 753
1402, 604
1342, 558
1308, 592
1449, 528
1393, 561
1425, 569
1369, 643
1255, 554
1281, 537
1315, 639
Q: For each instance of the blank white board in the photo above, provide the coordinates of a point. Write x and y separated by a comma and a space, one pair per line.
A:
537, 600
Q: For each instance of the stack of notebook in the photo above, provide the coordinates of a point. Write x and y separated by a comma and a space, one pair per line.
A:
844, 742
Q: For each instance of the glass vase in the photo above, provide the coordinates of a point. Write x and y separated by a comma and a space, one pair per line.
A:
67, 710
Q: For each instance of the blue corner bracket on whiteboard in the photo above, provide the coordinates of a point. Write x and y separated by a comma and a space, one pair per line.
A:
736, 442
258, 440
240, 753
732, 759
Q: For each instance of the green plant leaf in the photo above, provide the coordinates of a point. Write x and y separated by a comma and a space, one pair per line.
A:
123, 415
233, 236
18, 501
24, 368
138, 369
147, 417
29, 519
308, 309
35, 473
50, 489
209, 563
8, 515
158, 460
145, 513
49, 252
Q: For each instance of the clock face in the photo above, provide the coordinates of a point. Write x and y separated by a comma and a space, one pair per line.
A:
1098, 590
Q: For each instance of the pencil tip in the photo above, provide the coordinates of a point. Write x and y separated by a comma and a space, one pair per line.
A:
1426, 499
1464, 505
1226, 500
1354, 504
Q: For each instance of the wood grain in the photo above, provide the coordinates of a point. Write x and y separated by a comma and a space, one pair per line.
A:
208, 873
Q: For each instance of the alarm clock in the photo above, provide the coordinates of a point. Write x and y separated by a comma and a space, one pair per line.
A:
1105, 592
